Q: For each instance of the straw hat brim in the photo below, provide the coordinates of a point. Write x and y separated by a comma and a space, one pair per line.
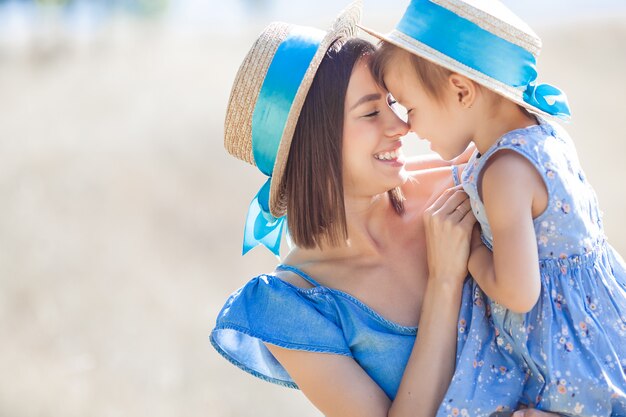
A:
413, 46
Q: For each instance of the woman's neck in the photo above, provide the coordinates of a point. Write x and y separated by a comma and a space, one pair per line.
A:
505, 117
367, 221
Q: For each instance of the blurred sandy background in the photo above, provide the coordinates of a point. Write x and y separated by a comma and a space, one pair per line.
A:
121, 215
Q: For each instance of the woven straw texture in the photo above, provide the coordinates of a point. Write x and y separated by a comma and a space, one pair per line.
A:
496, 18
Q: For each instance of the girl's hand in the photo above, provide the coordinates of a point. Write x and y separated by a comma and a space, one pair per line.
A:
448, 225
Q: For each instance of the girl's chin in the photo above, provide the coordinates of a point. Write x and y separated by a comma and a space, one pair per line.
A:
445, 154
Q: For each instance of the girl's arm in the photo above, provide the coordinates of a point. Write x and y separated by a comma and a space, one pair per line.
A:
339, 387
512, 192
428, 184
432, 160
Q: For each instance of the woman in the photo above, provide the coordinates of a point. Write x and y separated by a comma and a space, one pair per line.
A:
378, 252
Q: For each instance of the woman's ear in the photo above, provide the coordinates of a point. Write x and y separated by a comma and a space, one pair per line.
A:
464, 89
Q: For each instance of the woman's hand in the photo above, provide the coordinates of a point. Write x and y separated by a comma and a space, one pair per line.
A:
448, 227
449, 223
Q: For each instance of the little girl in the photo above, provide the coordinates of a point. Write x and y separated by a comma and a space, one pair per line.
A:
465, 72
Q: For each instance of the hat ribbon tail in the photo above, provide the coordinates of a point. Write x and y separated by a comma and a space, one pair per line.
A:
261, 227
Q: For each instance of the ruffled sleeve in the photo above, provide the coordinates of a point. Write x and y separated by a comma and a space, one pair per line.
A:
269, 310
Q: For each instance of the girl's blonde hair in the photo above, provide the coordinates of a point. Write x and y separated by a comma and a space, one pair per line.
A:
431, 76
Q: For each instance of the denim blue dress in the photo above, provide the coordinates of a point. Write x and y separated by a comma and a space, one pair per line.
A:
568, 354
317, 319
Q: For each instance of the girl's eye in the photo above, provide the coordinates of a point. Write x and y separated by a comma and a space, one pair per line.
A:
392, 102
372, 114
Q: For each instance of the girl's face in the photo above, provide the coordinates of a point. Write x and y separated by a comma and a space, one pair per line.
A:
373, 162
443, 122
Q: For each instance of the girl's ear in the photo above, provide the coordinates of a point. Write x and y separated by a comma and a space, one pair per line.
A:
464, 89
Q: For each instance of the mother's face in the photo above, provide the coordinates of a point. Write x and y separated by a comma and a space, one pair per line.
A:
373, 162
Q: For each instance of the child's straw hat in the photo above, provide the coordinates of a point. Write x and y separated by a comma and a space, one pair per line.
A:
482, 40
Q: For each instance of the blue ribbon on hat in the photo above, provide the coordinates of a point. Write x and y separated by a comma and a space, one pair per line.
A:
261, 227
271, 112
481, 50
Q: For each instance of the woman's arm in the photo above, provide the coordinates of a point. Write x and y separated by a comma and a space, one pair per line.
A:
429, 184
448, 224
336, 385
432, 160
339, 387
510, 275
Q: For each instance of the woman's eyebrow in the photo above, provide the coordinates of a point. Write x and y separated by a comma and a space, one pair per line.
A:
365, 99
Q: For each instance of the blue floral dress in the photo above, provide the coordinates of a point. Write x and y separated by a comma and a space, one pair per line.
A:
568, 354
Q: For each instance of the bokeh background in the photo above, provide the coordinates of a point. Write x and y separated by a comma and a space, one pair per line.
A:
121, 215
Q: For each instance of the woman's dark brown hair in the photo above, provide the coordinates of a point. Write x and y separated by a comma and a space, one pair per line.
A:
313, 180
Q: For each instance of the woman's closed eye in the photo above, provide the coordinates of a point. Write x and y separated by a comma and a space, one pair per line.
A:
372, 114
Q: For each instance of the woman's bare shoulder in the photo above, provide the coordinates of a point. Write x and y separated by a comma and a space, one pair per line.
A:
300, 261
324, 267
292, 278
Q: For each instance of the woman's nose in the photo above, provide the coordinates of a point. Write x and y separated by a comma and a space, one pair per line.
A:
397, 127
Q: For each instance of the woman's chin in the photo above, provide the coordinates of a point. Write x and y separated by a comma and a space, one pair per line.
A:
398, 180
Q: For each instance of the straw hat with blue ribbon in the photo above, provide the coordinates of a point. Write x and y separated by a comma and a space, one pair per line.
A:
484, 41
265, 102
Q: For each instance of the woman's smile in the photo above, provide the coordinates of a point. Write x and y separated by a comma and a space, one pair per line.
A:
393, 157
